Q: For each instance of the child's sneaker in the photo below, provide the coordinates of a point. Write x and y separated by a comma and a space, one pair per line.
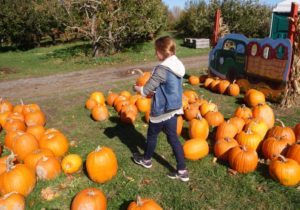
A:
182, 175
139, 159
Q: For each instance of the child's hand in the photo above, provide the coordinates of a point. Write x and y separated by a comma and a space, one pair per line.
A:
137, 88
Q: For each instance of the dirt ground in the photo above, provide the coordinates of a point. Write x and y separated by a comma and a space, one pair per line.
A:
102, 78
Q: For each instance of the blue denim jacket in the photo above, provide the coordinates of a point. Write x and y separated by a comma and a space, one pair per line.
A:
168, 95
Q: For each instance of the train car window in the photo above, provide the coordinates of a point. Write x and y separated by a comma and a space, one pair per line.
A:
254, 50
240, 48
229, 45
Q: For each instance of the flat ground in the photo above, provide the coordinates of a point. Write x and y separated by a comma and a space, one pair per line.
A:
101, 79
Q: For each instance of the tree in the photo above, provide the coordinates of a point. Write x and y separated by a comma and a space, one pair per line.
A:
112, 24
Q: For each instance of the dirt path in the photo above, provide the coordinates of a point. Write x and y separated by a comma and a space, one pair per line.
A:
102, 78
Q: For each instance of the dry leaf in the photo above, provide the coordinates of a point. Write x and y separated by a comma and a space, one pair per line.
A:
145, 181
128, 177
49, 193
73, 144
232, 172
262, 188
215, 160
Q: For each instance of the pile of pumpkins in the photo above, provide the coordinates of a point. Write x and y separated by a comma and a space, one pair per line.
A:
216, 84
251, 132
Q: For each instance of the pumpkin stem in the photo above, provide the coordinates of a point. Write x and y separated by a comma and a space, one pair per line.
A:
50, 136
282, 158
91, 193
282, 124
134, 71
4, 197
233, 81
98, 148
139, 201
243, 147
10, 161
21, 100
199, 116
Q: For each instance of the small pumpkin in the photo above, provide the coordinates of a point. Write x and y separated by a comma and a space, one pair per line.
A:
233, 89
98, 97
214, 118
89, 198
48, 168
100, 113
274, 146
71, 163
90, 103
111, 98
198, 128
33, 157
144, 204
222, 146
282, 132
226, 129
194, 80
294, 151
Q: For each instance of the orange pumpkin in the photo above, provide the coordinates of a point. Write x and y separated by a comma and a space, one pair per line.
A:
274, 146
125, 93
285, 170
294, 152
33, 157
207, 82
9, 138
37, 131
100, 113
238, 122
191, 112
206, 107
143, 104
5, 105
243, 112
14, 125
35, 118
233, 89
254, 97
144, 203
198, 128
23, 144
101, 164
223, 85
242, 160
143, 78
12, 201
222, 146
226, 129
257, 126
98, 97
90, 103
55, 141
90, 198
282, 132
71, 163
48, 168
194, 80
17, 178
191, 95
249, 139
111, 98
264, 112
214, 118
3, 117
195, 149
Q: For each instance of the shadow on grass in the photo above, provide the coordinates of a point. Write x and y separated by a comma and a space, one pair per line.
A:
133, 139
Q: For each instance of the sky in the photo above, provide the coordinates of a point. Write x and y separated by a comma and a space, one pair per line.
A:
180, 3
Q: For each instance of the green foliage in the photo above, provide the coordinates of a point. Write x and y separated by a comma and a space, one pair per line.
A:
248, 17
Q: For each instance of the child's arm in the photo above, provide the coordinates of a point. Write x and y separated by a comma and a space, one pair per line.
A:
159, 76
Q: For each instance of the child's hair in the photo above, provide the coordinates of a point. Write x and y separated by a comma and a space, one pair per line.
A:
166, 46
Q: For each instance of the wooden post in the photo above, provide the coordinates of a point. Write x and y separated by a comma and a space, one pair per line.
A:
216, 27
292, 26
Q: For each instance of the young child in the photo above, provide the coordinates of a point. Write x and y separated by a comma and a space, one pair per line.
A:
165, 86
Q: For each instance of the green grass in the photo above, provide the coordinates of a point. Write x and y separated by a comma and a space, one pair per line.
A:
210, 185
77, 56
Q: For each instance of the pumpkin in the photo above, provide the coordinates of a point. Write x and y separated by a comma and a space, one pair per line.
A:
3, 117
143, 78
27, 108
89, 198
207, 82
118, 99
111, 97
203, 77
214, 85
198, 128
143, 104
48, 168
191, 112
9, 139
223, 85
282, 132
23, 144
243, 84
297, 131
214, 118
55, 141
238, 122
179, 124
98, 97
125, 93
242, 159
37, 131
264, 112
128, 113
194, 80
191, 95
14, 125
274, 146
33, 157
121, 104
12, 201
257, 126
254, 97
285, 170
222, 146
233, 89
226, 129
249, 139
243, 112
134, 98
16, 116
17, 178
35, 118
101, 164
71, 163
206, 107
90, 103
144, 204
195, 149
294, 152
147, 116
100, 113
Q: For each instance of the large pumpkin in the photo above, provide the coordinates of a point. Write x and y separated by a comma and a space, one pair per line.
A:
17, 178
143, 104
195, 149
226, 129
249, 139
214, 118
144, 204
12, 201
100, 112
294, 152
242, 160
198, 128
285, 170
243, 112
48, 168
35, 118
55, 141
254, 97
282, 132
222, 146
101, 164
274, 146
23, 144
257, 126
33, 157
90, 198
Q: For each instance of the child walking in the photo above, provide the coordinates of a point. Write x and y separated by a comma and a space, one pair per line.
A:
165, 86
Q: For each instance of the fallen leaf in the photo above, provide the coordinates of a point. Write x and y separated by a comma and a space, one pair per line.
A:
128, 177
73, 144
49, 193
298, 188
215, 160
145, 181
